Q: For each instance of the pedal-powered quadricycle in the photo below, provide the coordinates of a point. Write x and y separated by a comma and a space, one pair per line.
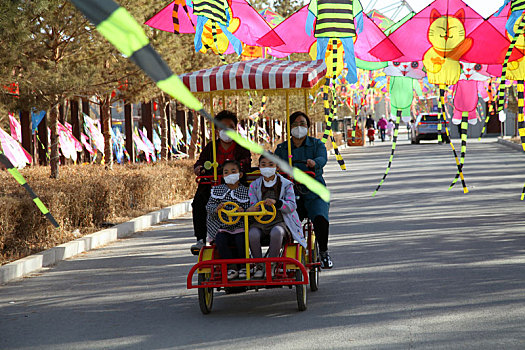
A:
296, 266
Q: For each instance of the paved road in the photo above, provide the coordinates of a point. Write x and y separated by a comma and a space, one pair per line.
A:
417, 267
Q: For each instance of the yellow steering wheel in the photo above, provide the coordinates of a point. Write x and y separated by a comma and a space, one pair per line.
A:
272, 213
230, 220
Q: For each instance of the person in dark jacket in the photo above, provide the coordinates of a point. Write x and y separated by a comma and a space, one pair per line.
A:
227, 149
309, 154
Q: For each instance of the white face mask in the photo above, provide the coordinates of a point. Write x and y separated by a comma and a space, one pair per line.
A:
299, 132
232, 178
224, 137
268, 172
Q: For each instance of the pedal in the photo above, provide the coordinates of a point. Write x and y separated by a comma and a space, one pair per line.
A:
195, 251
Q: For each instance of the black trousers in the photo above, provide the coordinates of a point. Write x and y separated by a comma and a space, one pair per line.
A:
230, 246
321, 225
321, 228
199, 211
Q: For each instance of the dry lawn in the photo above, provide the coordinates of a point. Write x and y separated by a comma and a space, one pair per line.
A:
84, 199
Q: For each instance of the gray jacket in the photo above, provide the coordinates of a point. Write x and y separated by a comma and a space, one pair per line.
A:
288, 209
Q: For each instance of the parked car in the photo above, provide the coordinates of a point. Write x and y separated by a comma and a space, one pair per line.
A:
426, 128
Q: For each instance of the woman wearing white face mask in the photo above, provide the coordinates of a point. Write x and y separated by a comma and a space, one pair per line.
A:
274, 190
226, 236
309, 154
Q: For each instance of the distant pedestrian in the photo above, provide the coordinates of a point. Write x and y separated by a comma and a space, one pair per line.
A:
370, 123
390, 129
382, 125
371, 135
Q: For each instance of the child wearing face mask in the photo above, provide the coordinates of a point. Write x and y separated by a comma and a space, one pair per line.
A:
274, 190
226, 236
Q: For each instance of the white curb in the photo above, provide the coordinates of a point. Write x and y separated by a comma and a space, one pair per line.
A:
510, 144
32, 263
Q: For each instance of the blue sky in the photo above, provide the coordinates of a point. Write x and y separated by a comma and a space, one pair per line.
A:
483, 7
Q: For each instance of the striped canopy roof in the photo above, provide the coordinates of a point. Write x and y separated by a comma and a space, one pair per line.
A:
258, 74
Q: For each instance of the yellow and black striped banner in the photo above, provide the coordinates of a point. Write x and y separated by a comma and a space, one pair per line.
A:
20, 179
215, 41
441, 115
501, 92
464, 136
123, 31
394, 142
521, 118
491, 110
458, 164
330, 109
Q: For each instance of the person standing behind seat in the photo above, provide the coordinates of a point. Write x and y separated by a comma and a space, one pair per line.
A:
313, 152
227, 149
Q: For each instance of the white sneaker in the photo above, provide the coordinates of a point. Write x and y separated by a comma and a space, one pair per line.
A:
232, 274
242, 274
258, 271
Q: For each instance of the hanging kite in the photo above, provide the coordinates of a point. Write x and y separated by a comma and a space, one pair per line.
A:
470, 85
404, 78
218, 13
243, 24
334, 19
441, 35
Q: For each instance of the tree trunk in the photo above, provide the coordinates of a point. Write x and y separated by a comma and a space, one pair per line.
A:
54, 157
27, 136
105, 120
181, 121
128, 115
85, 110
43, 141
163, 104
194, 135
75, 123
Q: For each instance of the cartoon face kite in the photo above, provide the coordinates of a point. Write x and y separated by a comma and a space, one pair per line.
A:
404, 78
335, 20
473, 82
449, 44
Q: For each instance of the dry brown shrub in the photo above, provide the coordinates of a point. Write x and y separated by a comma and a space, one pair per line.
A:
84, 198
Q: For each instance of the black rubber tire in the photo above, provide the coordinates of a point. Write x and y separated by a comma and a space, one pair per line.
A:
301, 289
417, 141
314, 273
205, 295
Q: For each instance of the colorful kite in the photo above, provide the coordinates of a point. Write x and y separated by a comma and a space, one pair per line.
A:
441, 35
225, 26
472, 83
334, 19
404, 78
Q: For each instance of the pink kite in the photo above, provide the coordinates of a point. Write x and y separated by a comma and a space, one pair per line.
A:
292, 32
468, 39
246, 24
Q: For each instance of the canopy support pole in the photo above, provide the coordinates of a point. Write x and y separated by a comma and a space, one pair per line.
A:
213, 141
288, 127
306, 102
